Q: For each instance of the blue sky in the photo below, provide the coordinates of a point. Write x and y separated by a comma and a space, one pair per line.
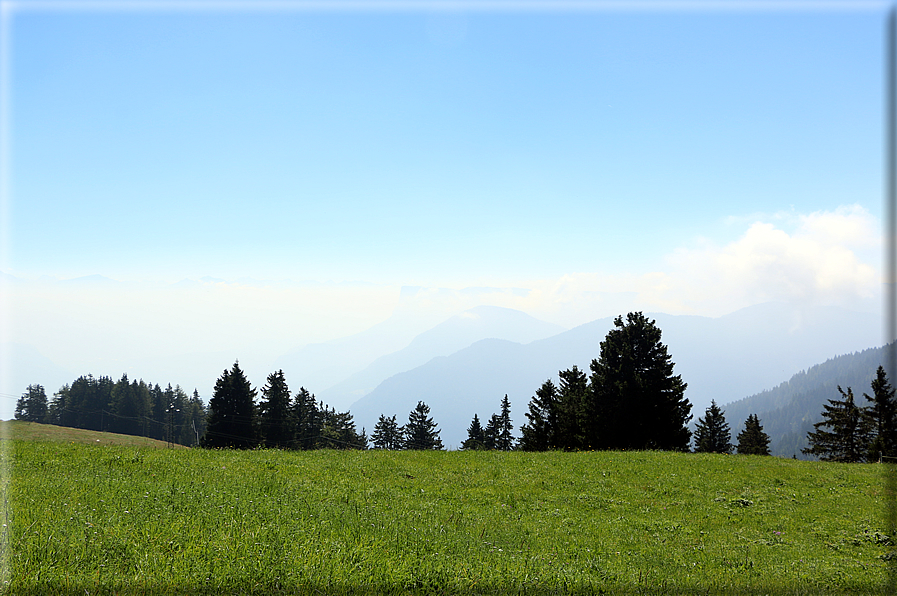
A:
416, 147
689, 161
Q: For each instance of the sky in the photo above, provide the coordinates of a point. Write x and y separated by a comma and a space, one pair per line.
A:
215, 177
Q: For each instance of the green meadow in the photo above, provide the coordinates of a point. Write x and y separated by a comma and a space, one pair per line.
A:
94, 518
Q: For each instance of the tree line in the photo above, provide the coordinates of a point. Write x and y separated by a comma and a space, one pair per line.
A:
631, 400
123, 406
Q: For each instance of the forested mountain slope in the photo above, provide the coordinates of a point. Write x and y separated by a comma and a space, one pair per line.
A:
789, 410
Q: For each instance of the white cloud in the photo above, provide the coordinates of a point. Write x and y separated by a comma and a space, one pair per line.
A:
831, 257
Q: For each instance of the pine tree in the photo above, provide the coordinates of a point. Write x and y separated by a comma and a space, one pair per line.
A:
476, 438
231, 421
33, 405
635, 400
196, 417
712, 434
573, 391
752, 440
387, 433
421, 431
490, 433
308, 419
504, 440
276, 421
539, 434
881, 418
848, 439
125, 408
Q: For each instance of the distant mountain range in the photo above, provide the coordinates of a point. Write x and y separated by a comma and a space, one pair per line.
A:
723, 358
450, 336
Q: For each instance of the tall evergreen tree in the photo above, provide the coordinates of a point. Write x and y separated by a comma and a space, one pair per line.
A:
635, 400
848, 439
387, 433
196, 415
421, 431
490, 433
476, 439
882, 418
276, 421
231, 421
573, 392
540, 433
712, 434
126, 408
752, 440
308, 419
504, 441
33, 405
57, 406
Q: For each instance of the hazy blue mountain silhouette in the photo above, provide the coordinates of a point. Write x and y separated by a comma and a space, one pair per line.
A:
450, 336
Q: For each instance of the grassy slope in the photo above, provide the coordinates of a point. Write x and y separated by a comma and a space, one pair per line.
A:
32, 431
126, 520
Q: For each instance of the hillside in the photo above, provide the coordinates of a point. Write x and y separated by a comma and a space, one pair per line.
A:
789, 410
32, 431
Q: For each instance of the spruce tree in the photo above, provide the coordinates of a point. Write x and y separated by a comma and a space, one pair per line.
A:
387, 433
635, 400
308, 419
882, 418
125, 408
712, 434
573, 392
276, 424
490, 433
231, 421
540, 433
33, 405
421, 431
752, 440
476, 438
848, 439
504, 441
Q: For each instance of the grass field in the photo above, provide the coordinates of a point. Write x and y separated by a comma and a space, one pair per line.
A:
113, 519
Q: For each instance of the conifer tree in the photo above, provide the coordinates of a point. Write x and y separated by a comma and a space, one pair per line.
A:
504, 440
33, 405
338, 431
539, 434
848, 439
635, 400
276, 421
231, 421
490, 433
387, 433
421, 431
882, 418
476, 438
752, 440
712, 434
573, 394
126, 408
308, 419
